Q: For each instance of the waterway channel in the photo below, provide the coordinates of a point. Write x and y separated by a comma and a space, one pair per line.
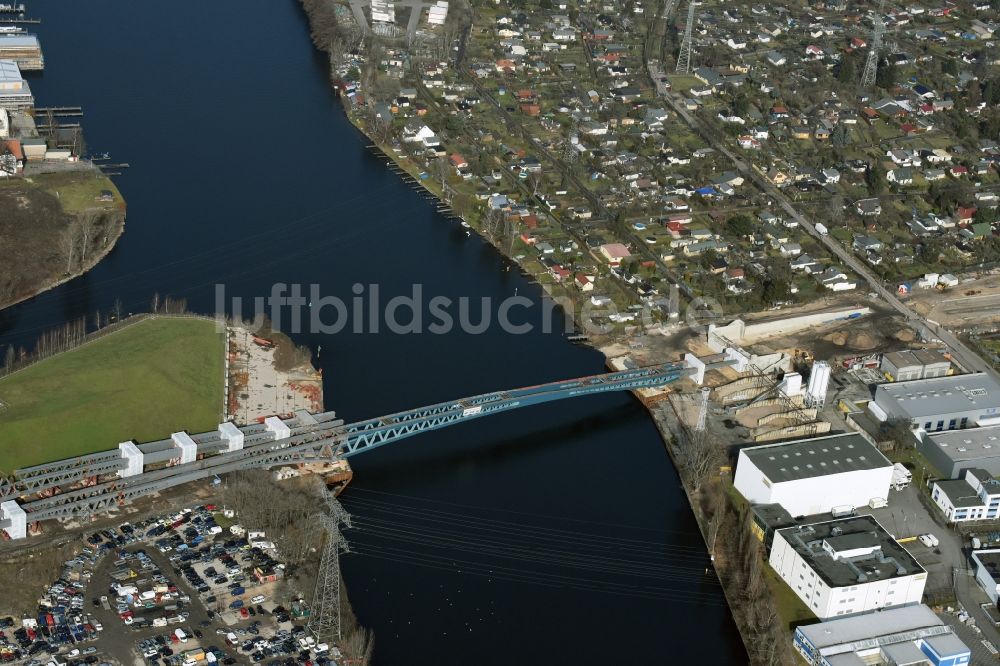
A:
550, 535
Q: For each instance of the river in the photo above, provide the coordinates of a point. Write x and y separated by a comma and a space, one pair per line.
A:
554, 534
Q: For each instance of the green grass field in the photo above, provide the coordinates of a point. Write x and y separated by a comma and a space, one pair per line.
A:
79, 191
143, 382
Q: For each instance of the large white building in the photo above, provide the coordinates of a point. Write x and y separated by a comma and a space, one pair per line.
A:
910, 635
816, 475
940, 403
975, 496
14, 91
846, 566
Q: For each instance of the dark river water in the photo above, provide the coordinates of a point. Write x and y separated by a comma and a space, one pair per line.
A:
550, 535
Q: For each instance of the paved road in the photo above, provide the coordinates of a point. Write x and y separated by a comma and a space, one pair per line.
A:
964, 356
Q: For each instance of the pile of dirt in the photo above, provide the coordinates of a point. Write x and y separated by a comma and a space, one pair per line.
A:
862, 341
904, 335
838, 338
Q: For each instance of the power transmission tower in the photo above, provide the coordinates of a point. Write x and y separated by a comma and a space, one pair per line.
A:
871, 64
324, 623
684, 56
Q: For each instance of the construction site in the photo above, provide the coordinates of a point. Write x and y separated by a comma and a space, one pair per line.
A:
266, 380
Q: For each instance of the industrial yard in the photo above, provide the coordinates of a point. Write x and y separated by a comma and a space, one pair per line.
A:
261, 386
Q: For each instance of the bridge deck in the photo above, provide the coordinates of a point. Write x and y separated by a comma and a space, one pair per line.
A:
302, 437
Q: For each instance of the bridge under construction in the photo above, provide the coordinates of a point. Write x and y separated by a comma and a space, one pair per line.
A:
90, 484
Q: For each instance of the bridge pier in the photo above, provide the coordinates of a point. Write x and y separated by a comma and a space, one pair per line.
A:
231, 435
13, 519
278, 427
187, 446
133, 459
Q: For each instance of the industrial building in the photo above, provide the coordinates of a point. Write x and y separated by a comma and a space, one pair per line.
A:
14, 91
22, 49
988, 572
437, 13
846, 566
940, 403
953, 451
910, 635
976, 496
815, 475
906, 365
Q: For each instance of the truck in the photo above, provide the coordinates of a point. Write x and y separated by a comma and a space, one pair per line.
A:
821, 229
901, 477
929, 540
878, 503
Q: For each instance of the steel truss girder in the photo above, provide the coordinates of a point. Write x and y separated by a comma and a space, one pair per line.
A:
325, 441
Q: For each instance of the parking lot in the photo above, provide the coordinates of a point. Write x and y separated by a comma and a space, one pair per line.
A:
178, 590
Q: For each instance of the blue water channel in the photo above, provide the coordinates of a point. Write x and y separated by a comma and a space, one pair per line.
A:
551, 535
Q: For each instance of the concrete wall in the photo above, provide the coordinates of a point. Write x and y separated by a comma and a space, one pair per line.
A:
740, 332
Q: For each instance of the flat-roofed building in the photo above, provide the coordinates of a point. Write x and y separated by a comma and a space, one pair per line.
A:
846, 566
975, 496
940, 403
14, 91
988, 572
25, 50
909, 635
909, 364
953, 451
816, 475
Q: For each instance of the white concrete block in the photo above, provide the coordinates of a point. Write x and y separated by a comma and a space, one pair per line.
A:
133, 459
12, 511
187, 446
693, 361
278, 427
232, 435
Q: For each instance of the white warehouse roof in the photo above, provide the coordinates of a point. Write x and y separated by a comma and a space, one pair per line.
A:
940, 395
816, 456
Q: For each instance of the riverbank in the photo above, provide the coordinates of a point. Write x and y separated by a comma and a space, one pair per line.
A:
714, 517
61, 224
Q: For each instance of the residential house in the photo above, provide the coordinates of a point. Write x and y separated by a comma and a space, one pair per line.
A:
614, 253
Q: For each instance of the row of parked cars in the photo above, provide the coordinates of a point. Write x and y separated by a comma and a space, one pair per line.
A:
61, 628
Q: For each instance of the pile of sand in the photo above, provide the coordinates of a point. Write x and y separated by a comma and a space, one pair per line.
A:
857, 340
904, 335
838, 338
863, 340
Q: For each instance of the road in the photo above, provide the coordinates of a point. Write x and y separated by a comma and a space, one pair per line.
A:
960, 353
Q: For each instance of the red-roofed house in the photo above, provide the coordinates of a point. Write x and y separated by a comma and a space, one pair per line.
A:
584, 282
12, 159
964, 215
458, 161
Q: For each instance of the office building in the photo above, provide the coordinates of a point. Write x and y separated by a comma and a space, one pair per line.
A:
846, 566
975, 496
